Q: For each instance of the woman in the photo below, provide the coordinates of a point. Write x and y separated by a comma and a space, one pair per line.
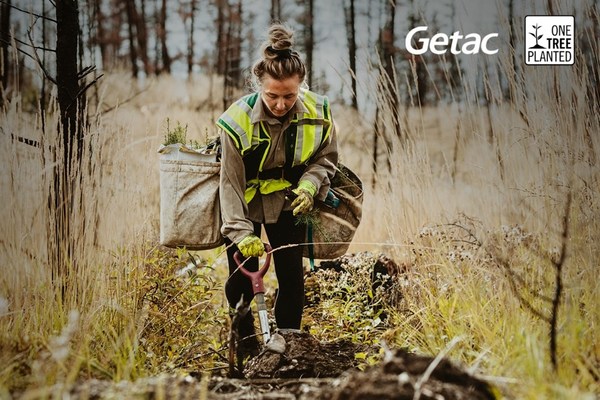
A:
282, 136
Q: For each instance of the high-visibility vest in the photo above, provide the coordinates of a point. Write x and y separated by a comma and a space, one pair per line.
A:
304, 136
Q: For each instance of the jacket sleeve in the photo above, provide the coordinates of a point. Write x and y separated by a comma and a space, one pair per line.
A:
322, 165
231, 192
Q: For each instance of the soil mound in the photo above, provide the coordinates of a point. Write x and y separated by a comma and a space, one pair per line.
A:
300, 355
402, 374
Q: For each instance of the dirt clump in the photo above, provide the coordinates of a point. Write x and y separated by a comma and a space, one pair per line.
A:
303, 356
402, 374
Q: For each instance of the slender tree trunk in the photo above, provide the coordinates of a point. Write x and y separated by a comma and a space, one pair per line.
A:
221, 37
233, 53
190, 54
351, 33
421, 71
142, 37
513, 48
275, 10
166, 59
375, 149
131, 30
389, 66
44, 80
4, 44
70, 126
157, 57
310, 41
100, 33
113, 38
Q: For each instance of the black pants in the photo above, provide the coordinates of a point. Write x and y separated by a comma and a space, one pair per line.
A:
288, 268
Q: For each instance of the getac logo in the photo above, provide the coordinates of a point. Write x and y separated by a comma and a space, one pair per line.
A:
439, 43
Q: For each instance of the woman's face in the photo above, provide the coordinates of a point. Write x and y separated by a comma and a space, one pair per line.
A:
280, 95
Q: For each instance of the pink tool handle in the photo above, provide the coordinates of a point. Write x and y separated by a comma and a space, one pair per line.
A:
256, 278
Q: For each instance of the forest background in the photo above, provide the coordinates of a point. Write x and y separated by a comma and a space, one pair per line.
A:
480, 176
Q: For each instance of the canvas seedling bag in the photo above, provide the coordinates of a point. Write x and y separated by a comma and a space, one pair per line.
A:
335, 224
190, 214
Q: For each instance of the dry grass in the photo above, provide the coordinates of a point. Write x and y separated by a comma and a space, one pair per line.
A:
447, 172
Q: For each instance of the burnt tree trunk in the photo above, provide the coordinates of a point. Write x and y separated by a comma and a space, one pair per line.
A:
351, 33
310, 41
222, 44
388, 51
131, 31
100, 37
190, 53
166, 59
69, 154
275, 10
232, 53
421, 70
513, 49
142, 37
4, 45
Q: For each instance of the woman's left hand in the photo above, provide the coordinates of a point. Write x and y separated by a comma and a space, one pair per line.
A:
303, 203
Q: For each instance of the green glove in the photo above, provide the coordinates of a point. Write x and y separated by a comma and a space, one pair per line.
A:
304, 202
251, 246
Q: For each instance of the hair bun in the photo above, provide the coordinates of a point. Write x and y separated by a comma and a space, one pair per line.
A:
281, 38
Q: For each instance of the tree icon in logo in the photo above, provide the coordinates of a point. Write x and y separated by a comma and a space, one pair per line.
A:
537, 37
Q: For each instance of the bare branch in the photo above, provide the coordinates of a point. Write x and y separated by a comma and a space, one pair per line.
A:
18, 49
125, 101
86, 71
37, 58
515, 289
29, 45
84, 89
558, 266
28, 12
532, 292
524, 302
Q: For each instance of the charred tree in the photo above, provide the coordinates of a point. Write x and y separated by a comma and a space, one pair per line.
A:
222, 6
388, 51
419, 61
142, 37
100, 36
5, 66
233, 53
275, 10
132, 32
190, 53
387, 111
309, 40
512, 42
162, 34
350, 14
71, 102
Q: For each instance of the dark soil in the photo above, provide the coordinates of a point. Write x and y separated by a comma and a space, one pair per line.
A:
308, 369
304, 357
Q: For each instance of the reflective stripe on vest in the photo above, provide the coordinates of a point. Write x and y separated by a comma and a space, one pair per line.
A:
236, 121
313, 128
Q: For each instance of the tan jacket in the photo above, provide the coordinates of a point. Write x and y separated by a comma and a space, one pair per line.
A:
237, 215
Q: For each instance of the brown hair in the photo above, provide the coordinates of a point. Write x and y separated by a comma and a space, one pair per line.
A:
279, 60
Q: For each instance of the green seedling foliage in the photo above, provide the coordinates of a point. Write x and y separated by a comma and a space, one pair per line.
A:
179, 135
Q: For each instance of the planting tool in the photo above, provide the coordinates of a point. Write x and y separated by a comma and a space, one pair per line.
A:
258, 289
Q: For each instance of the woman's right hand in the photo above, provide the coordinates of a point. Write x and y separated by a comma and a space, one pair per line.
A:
251, 246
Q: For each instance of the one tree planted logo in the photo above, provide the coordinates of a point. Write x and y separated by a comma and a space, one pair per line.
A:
549, 40
537, 37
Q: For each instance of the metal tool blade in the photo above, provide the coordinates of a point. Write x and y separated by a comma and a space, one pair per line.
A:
263, 316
